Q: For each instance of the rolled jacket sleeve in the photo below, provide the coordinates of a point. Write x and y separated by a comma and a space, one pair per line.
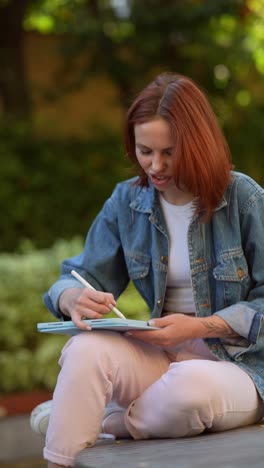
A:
245, 321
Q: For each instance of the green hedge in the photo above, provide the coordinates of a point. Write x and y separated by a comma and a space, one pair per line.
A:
28, 359
53, 189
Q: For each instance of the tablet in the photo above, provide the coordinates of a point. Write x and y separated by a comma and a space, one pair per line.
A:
114, 324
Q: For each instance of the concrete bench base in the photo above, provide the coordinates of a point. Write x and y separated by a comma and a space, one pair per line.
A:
239, 448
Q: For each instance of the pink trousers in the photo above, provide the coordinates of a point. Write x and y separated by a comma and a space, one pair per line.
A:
175, 392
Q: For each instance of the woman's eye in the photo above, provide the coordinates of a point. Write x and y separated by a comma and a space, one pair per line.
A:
145, 152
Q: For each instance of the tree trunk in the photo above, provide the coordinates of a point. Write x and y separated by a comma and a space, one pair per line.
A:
14, 94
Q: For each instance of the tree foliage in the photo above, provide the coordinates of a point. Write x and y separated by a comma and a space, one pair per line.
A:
130, 42
218, 43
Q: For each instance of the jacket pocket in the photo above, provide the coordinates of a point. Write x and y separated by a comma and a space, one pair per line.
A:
137, 264
232, 278
232, 266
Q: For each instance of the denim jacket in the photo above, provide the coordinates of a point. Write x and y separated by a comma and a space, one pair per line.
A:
129, 241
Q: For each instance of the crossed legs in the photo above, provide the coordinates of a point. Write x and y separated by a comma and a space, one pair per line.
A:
162, 398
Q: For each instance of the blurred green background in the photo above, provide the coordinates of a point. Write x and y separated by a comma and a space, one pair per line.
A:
68, 71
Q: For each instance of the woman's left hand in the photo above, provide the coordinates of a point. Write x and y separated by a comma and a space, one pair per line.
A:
174, 329
177, 328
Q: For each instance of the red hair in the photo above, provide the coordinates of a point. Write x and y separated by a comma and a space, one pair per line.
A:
203, 161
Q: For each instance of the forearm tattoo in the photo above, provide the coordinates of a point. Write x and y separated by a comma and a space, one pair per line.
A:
219, 330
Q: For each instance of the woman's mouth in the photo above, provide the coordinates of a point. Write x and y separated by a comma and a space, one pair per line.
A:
160, 181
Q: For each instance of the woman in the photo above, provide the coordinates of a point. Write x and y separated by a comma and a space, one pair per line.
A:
188, 232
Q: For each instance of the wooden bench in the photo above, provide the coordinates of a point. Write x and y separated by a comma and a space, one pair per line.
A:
239, 448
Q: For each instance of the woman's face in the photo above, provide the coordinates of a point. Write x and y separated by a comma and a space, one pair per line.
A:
155, 151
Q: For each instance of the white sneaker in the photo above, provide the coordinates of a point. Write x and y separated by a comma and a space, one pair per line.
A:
39, 420
103, 437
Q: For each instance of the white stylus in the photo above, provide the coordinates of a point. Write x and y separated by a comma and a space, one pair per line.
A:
88, 285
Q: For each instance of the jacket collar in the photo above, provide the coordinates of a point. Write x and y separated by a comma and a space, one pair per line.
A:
146, 200
222, 204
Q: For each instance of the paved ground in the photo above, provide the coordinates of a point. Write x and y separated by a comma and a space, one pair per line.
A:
25, 463
20, 447
238, 448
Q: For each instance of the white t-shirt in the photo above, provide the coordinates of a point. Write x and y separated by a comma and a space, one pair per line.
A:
179, 294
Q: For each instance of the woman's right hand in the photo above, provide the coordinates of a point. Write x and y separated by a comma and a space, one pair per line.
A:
85, 303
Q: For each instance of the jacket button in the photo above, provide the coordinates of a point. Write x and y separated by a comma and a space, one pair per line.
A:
159, 302
240, 273
199, 261
164, 259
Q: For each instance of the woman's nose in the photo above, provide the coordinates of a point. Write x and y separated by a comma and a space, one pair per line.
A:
157, 162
